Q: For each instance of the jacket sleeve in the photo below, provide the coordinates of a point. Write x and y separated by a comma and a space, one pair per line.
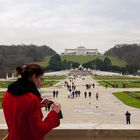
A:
38, 127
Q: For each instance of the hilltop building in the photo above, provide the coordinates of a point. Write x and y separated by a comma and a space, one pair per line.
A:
81, 50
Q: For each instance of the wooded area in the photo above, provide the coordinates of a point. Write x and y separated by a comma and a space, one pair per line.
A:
14, 55
130, 53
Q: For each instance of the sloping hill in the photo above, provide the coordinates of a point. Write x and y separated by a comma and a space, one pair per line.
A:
14, 55
130, 53
83, 59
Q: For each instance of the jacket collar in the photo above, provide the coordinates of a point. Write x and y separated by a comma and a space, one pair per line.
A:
22, 86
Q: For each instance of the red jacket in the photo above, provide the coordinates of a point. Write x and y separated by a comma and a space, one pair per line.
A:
24, 117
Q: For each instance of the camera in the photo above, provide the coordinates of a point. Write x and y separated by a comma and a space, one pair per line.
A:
47, 103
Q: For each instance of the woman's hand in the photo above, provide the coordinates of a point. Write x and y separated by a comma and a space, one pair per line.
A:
46, 102
56, 107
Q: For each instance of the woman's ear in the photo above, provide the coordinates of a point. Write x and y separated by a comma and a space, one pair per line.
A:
33, 78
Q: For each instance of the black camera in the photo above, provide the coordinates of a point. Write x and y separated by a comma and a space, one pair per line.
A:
60, 115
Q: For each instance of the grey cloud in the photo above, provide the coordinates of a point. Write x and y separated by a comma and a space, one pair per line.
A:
68, 23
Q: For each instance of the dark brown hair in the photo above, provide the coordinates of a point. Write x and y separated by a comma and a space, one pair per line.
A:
27, 70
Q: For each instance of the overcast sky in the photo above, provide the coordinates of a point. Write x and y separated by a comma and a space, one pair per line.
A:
64, 24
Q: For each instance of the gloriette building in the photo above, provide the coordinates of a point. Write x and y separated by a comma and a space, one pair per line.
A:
81, 50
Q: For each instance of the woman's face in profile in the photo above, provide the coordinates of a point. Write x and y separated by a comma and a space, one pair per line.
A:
38, 80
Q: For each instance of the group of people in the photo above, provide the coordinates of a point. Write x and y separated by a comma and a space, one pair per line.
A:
55, 93
88, 86
72, 92
87, 94
71, 89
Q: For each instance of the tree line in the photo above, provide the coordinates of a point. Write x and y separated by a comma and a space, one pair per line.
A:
56, 64
13, 55
130, 53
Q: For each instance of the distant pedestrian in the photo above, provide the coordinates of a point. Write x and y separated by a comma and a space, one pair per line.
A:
89, 94
96, 106
85, 93
53, 93
78, 93
97, 96
56, 93
88, 86
123, 85
69, 93
73, 94
127, 114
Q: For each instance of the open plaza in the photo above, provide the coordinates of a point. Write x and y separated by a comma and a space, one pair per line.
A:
79, 112
107, 110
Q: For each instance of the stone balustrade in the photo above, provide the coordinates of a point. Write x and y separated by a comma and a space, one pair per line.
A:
90, 132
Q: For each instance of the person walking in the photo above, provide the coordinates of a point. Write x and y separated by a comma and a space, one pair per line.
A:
54, 93
89, 94
85, 93
97, 96
22, 106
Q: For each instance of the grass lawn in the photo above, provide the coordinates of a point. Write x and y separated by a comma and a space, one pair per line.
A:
51, 80
115, 77
129, 98
83, 59
1, 95
55, 77
48, 81
118, 81
45, 62
4, 84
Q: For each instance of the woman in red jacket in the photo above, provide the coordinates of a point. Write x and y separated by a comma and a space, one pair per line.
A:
22, 106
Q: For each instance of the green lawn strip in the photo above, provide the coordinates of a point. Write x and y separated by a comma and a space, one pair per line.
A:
55, 77
115, 78
134, 95
84, 59
4, 84
45, 61
127, 99
135, 84
1, 96
128, 84
103, 83
118, 82
48, 83
81, 59
137, 93
52, 80
112, 84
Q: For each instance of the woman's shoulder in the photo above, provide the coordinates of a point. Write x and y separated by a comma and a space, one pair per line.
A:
26, 98
32, 96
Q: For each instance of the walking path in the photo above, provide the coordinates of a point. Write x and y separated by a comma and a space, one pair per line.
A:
107, 110
84, 110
